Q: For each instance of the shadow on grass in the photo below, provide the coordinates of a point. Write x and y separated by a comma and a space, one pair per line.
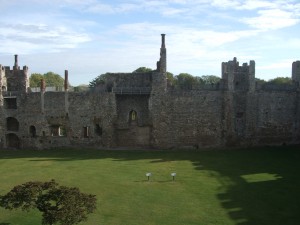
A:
264, 183
4, 223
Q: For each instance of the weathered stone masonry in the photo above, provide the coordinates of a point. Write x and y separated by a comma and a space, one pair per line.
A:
140, 110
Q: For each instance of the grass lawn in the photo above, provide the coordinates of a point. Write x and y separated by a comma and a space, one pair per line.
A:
224, 187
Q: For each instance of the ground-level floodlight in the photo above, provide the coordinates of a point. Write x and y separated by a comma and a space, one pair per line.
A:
148, 175
173, 175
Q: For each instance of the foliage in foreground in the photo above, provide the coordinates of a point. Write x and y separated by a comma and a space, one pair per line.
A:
58, 204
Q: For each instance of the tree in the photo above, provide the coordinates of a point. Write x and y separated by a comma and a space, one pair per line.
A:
210, 79
142, 70
281, 80
58, 204
35, 80
185, 81
170, 77
99, 80
51, 80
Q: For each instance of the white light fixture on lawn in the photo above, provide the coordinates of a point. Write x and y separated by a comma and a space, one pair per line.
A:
173, 175
148, 175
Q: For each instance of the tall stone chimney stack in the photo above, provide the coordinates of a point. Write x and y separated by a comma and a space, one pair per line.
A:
16, 65
66, 80
163, 55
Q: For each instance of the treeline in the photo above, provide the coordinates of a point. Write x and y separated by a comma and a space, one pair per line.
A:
180, 81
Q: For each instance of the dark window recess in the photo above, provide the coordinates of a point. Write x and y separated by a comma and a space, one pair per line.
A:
57, 130
239, 114
10, 103
32, 131
86, 132
98, 130
12, 124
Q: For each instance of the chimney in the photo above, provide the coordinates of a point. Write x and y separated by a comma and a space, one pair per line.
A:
163, 45
43, 85
16, 65
66, 80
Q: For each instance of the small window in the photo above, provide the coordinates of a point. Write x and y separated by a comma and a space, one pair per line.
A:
133, 116
239, 114
57, 130
32, 131
85, 132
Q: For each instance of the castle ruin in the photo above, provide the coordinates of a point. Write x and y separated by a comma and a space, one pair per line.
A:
141, 110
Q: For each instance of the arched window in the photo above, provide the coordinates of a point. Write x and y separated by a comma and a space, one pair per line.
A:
12, 124
32, 131
132, 116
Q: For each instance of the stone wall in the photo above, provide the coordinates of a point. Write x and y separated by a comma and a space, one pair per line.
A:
140, 110
187, 119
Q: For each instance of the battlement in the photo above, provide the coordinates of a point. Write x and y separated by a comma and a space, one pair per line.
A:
236, 77
17, 79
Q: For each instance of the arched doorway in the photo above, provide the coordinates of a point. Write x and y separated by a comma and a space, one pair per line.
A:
32, 131
12, 141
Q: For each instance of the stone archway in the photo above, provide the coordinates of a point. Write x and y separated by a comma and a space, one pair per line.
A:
12, 124
12, 141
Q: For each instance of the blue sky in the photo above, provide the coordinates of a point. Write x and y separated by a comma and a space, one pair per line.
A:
91, 37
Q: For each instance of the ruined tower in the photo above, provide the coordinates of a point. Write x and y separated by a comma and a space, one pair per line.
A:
17, 79
162, 63
296, 71
236, 77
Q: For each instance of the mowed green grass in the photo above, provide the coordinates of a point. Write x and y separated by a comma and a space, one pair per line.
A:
214, 187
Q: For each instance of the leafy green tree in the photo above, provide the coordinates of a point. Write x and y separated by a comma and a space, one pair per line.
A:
58, 204
185, 81
99, 80
35, 80
210, 79
171, 79
51, 80
281, 80
142, 70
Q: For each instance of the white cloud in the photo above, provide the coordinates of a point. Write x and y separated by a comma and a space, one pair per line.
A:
271, 19
283, 64
28, 38
225, 3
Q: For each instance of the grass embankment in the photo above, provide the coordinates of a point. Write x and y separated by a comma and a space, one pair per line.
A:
230, 187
